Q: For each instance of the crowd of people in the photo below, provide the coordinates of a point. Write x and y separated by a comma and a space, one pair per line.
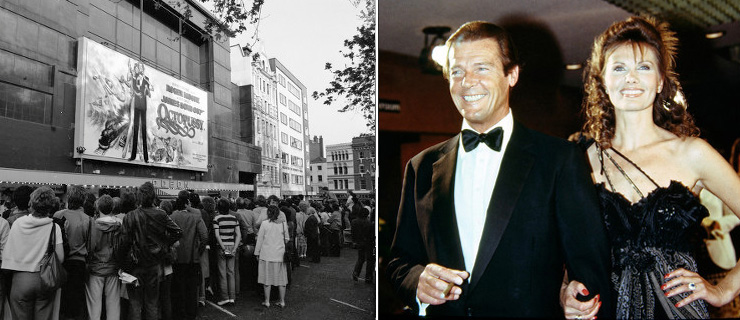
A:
135, 257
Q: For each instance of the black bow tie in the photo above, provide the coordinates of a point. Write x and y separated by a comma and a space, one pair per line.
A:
493, 139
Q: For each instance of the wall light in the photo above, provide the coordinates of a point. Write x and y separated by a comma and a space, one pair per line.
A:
431, 49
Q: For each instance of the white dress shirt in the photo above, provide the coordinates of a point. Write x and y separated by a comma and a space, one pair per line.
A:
475, 176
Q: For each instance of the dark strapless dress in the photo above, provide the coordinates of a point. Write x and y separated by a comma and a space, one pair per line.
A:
649, 239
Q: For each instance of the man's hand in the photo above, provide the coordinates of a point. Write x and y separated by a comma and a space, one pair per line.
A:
574, 309
438, 284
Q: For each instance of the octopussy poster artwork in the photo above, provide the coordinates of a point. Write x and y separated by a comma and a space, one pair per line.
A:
128, 111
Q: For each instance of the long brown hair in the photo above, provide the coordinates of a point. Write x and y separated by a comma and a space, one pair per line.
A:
669, 107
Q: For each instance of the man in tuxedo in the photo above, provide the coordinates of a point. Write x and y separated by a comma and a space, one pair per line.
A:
490, 219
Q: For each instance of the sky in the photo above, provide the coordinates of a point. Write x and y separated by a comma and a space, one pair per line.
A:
304, 36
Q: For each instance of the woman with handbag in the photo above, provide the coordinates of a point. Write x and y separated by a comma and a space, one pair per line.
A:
270, 251
31, 238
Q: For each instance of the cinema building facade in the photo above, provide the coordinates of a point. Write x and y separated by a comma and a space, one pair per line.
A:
109, 94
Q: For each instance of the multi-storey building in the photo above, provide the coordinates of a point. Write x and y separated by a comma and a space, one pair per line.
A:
339, 163
318, 176
363, 152
256, 91
293, 113
70, 77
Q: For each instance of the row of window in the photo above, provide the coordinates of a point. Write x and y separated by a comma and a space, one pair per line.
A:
292, 178
294, 160
269, 174
341, 184
339, 155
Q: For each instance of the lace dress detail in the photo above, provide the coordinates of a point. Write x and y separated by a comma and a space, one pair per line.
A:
649, 239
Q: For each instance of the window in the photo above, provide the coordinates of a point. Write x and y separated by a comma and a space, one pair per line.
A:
362, 168
294, 90
284, 137
320, 177
281, 79
282, 99
319, 168
25, 104
362, 155
283, 118
311, 179
294, 107
295, 125
336, 185
286, 178
363, 184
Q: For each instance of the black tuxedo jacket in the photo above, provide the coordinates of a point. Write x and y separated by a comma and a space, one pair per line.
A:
543, 215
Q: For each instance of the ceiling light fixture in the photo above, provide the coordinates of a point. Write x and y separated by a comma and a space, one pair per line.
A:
715, 35
433, 54
573, 66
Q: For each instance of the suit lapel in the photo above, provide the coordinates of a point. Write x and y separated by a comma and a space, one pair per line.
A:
515, 168
444, 222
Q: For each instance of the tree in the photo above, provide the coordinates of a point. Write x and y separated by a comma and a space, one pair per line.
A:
356, 82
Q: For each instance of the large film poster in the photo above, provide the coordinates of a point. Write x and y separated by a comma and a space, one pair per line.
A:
130, 112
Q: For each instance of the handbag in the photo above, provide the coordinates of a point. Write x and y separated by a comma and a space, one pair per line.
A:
51, 272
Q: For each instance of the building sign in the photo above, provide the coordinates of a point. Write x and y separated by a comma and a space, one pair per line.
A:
389, 105
131, 112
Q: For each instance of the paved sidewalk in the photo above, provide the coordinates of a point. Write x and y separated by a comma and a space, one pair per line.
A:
322, 290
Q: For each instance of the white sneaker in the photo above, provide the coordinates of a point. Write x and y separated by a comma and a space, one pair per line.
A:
231, 301
222, 302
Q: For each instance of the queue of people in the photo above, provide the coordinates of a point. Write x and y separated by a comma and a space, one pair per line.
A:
136, 257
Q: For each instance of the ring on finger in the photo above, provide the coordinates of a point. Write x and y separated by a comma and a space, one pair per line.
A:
578, 318
692, 286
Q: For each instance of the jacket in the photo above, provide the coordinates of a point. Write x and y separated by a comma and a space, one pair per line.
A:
103, 248
151, 232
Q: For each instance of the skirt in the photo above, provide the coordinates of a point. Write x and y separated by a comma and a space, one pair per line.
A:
272, 273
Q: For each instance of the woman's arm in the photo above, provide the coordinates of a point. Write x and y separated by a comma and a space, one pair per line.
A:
715, 174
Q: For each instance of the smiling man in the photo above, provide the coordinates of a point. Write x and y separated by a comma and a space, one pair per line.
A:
490, 219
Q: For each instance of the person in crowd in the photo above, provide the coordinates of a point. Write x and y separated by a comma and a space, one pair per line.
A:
243, 214
21, 196
249, 275
335, 230
228, 237
206, 258
89, 205
649, 164
186, 277
166, 270
4, 231
271, 240
27, 243
324, 233
272, 200
151, 232
128, 203
489, 218
291, 238
77, 229
103, 263
346, 223
116, 209
6, 202
363, 236
300, 218
311, 231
